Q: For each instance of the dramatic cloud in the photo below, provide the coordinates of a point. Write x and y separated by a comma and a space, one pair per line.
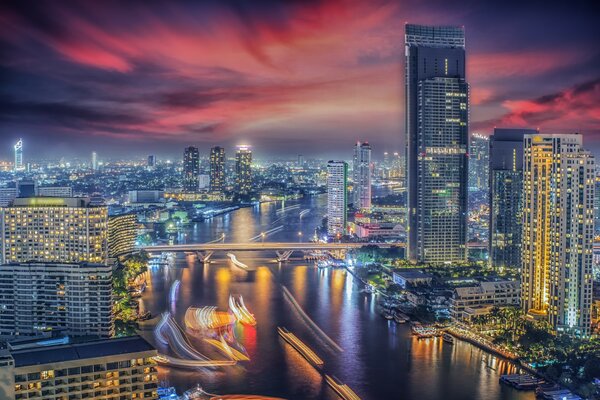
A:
157, 76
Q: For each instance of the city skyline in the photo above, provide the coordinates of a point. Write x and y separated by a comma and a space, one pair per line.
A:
83, 80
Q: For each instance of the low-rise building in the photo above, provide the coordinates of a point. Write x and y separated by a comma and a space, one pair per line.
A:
479, 299
383, 230
121, 368
411, 277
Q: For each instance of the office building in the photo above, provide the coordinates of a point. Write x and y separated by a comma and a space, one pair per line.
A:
217, 169
506, 197
558, 229
337, 198
151, 163
115, 369
437, 111
362, 176
55, 191
191, 168
301, 160
7, 195
479, 299
94, 161
203, 182
26, 188
243, 170
122, 233
146, 196
54, 229
19, 156
596, 203
479, 161
41, 298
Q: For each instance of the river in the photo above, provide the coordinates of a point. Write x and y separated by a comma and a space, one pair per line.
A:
379, 359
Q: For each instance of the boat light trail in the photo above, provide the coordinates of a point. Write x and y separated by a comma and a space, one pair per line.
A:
300, 346
308, 320
168, 332
181, 362
207, 318
226, 349
266, 233
237, 263
290, 208
173, 295
238, 308
341, 389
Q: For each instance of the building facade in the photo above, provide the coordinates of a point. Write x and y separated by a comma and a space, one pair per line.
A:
479, 161
19, 156
54, 229
337, 198
361, 172
191, 168
479, 299
114, 369
40, 298
437, 119
243, 170
217, 169
55, 191
506, 197
558, 227
122, 232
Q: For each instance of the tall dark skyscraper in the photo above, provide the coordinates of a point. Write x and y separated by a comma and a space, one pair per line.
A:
437, 137
217, 169
191, 168
506, 196
243, 170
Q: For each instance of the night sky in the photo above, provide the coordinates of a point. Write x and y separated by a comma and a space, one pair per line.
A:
139, 77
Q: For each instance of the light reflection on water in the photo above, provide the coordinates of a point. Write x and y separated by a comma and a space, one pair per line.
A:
381, 360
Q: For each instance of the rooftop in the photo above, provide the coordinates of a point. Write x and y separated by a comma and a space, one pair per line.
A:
80, 351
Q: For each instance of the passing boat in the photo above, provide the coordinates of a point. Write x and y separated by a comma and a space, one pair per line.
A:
239, 309
448, 338
399, 319
387, 315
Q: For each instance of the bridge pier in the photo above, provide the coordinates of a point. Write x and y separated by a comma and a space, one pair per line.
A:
204, 256
284, 256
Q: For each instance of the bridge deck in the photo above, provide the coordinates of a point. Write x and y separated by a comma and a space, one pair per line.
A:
263, 246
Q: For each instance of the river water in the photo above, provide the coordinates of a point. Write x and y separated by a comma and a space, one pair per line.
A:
378, 359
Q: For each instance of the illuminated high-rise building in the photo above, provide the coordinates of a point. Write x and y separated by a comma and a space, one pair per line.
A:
191, 168
151, 162
54, 229
506, 197
479, 161
437, 120
19, 156
217, 169
558, 226
94, 161
243, 170
122, 232
120, 368
337, 197
361, 173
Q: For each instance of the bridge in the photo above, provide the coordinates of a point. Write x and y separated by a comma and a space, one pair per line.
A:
283, 250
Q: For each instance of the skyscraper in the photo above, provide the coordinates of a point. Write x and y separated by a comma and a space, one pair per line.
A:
558, 227
479, 161
191, 168
437, 112
217, 169
94, 161
243, 170
151, 163
362, 176
337, 197
506, 196
53, 229
19, 155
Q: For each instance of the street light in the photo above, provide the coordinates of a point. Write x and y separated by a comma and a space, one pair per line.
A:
299, 236
262, 236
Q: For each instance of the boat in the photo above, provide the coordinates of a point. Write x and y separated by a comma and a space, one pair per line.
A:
300, 346
446, 337
341, 389
387, 315
522, 381
399, 319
